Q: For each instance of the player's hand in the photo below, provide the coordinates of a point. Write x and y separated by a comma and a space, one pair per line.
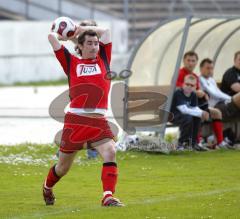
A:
205, 116
58, 36
206, 97
200, 93
77, 32
61, 38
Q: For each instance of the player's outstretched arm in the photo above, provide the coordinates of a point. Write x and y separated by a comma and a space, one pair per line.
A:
53, 39
101, 32
98, 30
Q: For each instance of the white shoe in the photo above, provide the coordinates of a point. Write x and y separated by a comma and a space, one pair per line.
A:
223, 145
203, 146
180, 148
227, 140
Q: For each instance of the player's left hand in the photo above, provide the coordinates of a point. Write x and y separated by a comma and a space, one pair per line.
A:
206, 97
200, 93
76, 33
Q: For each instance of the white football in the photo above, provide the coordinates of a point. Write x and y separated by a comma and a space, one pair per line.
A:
64, 26
132, 139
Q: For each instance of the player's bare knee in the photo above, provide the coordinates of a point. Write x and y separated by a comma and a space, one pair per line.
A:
62, 169
216, 114
236, 100
109, 154
112, 153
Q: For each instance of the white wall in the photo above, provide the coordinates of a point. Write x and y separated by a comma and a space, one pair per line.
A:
50, 9
26, 55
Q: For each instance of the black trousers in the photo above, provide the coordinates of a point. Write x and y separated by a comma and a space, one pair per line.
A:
189, 128
229, 110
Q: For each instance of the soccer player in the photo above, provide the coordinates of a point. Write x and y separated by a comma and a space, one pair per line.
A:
229, 106
187, 114
91, 152
190, 60
85, 122
231, 78
216, 97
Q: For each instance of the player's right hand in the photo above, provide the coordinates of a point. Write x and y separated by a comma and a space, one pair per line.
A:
206, 97
58, 36
61, 38
77, 32
200, 93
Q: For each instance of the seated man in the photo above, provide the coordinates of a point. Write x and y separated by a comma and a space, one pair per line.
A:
187, 114
231, 78
229, 106
190, 60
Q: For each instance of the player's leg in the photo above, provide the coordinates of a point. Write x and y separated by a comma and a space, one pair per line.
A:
189, 128
236, 101
64, 163
195, 133
186, 128
185, 123
107, 151
217, 126
215, 113
231, 109
55, 173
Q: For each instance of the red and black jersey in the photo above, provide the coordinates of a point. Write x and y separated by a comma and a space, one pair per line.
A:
88, 84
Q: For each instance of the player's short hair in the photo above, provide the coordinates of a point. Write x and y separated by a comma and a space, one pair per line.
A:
236, 54
81, 37
190, 77
190, 53
88, 23
206, 60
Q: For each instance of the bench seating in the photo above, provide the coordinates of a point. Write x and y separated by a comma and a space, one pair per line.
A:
146, 109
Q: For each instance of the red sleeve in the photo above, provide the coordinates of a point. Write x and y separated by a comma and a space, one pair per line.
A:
180, 79
106, 51
64, 57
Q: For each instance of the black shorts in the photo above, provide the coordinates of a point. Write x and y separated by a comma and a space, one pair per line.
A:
228, 110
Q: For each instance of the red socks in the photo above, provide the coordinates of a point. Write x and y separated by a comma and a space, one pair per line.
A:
109, 177
199, 135
52, 178
218, 130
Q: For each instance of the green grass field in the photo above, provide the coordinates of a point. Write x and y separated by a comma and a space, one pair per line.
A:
185, 185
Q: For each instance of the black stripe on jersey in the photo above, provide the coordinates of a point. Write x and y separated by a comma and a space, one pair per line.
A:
103, 55
68, 60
